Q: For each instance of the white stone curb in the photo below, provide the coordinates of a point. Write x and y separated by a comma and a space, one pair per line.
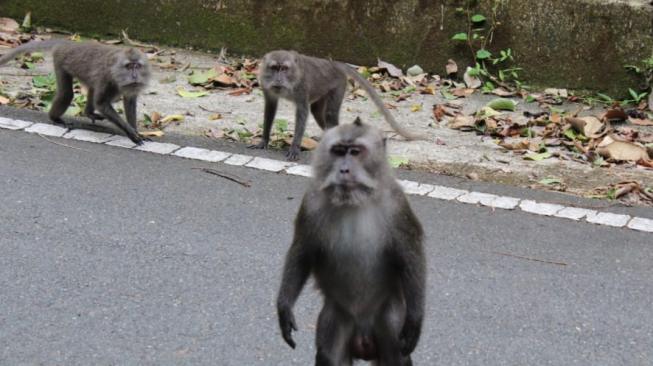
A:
410, 187
13, 124
157, 147
269, 165
88, 136
201, 154
47, 130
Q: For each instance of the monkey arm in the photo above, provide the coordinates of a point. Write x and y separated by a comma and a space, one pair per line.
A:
411, 264
295, 273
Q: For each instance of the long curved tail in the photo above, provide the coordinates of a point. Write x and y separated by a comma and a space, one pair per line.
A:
30, 47
344, 68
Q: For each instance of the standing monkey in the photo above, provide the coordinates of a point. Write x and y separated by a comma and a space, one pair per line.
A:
314, 83
107, 71
357, 235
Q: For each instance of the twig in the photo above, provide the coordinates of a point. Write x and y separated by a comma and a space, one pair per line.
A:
212, 111
227, 176
530, 258
23, 74
60, 144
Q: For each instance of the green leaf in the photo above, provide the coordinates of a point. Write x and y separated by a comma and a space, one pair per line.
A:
201, 78
281, 124
530, 99
483, 54
503, 104
538, 157
570, 134
459, 37
550, 181
191, 94
477, 18
633, 94
397, 161
445, 93
44, 81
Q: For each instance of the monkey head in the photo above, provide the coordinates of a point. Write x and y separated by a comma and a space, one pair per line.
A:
131, 71
351, 163
279, 71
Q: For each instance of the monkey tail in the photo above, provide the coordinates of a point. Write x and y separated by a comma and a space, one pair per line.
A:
30, 47
377, 101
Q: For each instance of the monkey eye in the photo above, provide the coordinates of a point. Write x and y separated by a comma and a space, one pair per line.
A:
355, 151
283, 68
339, 150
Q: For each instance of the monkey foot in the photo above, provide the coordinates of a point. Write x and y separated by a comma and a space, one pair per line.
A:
293, 153
261, 145
59, 121
95, 117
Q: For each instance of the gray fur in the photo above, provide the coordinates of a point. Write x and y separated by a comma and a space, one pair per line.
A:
310, 83
363, 245
109, 72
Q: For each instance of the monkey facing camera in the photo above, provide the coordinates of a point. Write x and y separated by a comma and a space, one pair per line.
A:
108, 72
357, 235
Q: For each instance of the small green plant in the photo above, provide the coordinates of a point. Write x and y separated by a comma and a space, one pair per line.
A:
45, 87
478, 37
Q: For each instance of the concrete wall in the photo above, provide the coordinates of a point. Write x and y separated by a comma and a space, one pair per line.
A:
580, 44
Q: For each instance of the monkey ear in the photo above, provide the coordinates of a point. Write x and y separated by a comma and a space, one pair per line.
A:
358, 122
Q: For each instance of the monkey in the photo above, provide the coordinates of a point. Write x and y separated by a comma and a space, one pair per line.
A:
107, 71
310, 82
356, 234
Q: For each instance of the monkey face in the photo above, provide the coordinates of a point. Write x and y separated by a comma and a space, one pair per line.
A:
350, 163
131, 71
280, 72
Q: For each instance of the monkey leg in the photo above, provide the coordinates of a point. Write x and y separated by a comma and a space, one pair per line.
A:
89, 111
333, 102
129, 103
334, 331
268, 118
63, 96
103, 102
318, 109
301, 115
387, 328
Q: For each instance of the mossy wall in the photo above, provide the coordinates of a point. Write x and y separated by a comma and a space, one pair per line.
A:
578, 44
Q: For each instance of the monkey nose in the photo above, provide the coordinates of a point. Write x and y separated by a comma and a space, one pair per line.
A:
344, 170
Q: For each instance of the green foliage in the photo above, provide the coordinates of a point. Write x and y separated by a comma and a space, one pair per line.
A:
478, 37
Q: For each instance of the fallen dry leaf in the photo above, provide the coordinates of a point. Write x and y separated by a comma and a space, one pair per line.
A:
438, 112
462, 92
502, 92
156, 133
615, 114
8, 25
239, 92
215, 116
307, 143
589, 126
393, 70
623, 151
451, 67
471, 81
214, 133
640, 122
4, 100
462, 122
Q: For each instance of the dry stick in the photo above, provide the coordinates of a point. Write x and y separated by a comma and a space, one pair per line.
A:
60, 144
224, 175
530, 259
212, 111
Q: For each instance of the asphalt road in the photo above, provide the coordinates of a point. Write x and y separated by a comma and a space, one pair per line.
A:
117, 257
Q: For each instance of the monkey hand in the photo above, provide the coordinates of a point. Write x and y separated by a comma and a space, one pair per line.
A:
409, 336
287, 325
